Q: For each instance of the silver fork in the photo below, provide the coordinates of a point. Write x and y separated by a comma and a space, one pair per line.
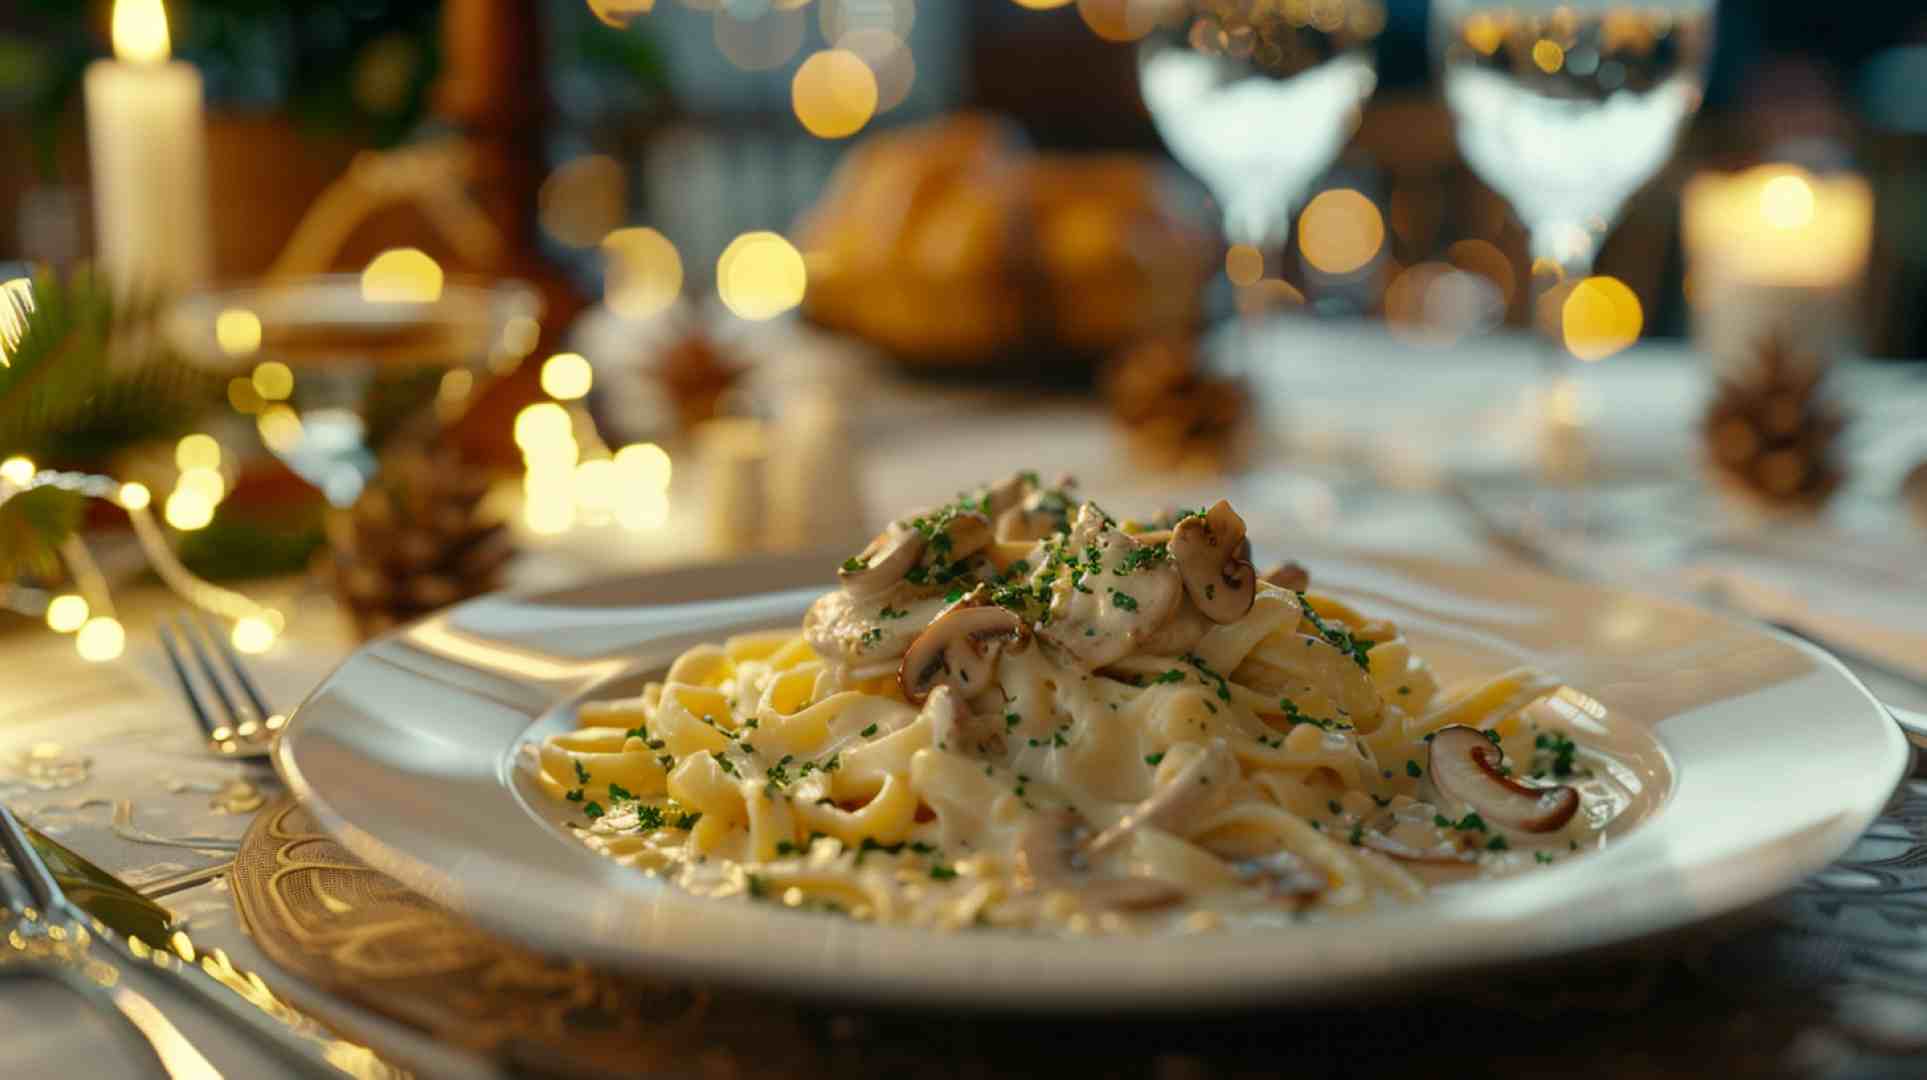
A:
250, 726
48, 935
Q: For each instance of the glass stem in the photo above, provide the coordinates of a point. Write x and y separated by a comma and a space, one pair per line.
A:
1563, 437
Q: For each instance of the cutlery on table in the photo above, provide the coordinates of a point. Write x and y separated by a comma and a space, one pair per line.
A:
50, 936
249, 725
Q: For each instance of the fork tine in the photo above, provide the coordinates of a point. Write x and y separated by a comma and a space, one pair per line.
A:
206, 665
240, 673
13, 893
33, 869
173, 650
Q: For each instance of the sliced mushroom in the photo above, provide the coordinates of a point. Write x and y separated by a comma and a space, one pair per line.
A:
1053, 853
963, 535
1288, 575
1464, 766
958, 649
954, 727
1211, 557
883, 563
1196, 787
1005, 494
1283, 876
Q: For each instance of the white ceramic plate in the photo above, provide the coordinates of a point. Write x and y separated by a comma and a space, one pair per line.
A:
1774, 756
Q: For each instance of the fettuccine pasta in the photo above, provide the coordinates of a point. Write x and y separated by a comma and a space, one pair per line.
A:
1018, 711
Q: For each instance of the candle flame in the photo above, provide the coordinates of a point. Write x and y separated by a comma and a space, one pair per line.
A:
140, 31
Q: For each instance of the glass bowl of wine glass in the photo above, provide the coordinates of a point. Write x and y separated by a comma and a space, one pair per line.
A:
334, 365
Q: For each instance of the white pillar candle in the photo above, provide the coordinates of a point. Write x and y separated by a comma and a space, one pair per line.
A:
146, 138
1774, 251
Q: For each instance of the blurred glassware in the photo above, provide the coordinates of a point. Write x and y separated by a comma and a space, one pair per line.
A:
1567, 107
331, 365
1257, 98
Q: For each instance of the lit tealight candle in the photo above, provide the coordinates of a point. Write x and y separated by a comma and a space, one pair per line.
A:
149, 157
1774, 250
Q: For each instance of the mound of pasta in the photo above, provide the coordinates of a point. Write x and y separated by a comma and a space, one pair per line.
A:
1018, 711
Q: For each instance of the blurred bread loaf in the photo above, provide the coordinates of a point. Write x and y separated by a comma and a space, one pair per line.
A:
952, 244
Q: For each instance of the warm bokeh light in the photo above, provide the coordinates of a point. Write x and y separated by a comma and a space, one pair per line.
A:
548, 501
1546, 273
582, 200
238, 332
1268, 295
188, 510
402, 276
639, 511
618, 13
101, 638
890, 61
1041, 5
1341, 231
1600, 317
1548, 55
140, 32
273, 380
840, 18
1786, 201
67, 612
761, 275
135, 496
760, 39
209, 484
596, 488
643, 273
519, 336
1438, 303
1119, 20
17, 469
567, 376
280, 429
1475, 256
451, 395
1484, 33
542, 424
644, 467
1244, 264
252, 634
834, 94
197, 451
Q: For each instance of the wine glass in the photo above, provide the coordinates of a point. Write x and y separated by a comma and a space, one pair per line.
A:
330, 368
1567, 107
1256, 98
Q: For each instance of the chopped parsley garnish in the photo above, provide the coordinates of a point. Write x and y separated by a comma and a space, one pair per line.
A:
637, 733
784, 847
1341, 639
618, 792
1057, 737
1171, 676
870, 844
1332, 805
756, 887
855, 564
955, 594
1011, 720
1490, 734
688, 820
941, 872
593, 811
868, 731
1497, 843
1224, 687
581, 774
1412, 769
1295, 717
888, 612
1559, 752
1143, 556
1541, 857
666, 762
1153, 759
1471, 822
726, 765
1357, 837
1124, 601
872, 636
574, 795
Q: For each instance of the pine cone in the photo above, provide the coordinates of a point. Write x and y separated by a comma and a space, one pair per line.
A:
1773, 435
415, 541
1174, 413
